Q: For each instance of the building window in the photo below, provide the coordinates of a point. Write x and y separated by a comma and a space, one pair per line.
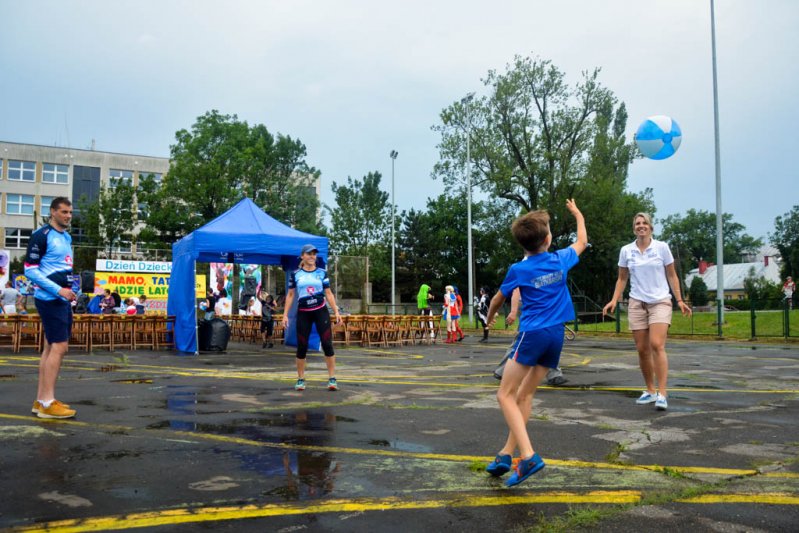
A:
45, 204
78, 234
21, 170
142, 210
123, 247
118, 177
52, 173
156, 176
19, 204
17, 237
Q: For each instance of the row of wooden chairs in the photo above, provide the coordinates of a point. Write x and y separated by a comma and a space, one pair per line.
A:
91, 332
387, 330
248, 328
361, 330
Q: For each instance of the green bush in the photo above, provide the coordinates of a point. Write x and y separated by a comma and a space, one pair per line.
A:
697, 292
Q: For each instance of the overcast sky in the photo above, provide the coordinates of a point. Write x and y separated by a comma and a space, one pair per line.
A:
356, 79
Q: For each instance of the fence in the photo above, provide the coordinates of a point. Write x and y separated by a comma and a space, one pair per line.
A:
754, 319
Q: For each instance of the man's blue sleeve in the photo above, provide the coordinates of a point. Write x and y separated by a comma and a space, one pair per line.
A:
37, 247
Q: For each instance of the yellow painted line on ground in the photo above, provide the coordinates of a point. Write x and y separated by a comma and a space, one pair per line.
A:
262, 376
215, 514
195, 436
769, 498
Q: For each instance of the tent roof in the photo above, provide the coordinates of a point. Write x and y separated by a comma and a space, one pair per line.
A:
246, 234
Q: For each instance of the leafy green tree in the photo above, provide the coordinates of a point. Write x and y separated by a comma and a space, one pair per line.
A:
535, 141
786, 239
216, 164
761, 290
697, 292
693, 237
433, 246
109, 221
361, 216
361, 225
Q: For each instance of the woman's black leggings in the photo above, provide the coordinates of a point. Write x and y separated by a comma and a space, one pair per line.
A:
320, 317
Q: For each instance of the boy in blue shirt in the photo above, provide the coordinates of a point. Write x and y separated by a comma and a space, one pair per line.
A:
546, 305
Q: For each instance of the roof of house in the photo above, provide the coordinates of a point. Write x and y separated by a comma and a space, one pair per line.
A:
735, 274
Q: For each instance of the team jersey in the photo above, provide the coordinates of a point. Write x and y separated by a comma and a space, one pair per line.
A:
48, 262
541, 278
310, 288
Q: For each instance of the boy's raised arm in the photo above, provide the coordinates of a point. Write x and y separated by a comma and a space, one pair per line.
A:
582, 234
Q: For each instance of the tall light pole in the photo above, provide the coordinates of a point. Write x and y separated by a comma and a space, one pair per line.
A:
393, 155
466, 101
719, 212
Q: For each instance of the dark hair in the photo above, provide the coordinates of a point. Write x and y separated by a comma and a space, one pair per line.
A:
530, 230
58, 201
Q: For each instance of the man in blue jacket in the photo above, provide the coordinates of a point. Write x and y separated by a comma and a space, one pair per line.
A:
48, 263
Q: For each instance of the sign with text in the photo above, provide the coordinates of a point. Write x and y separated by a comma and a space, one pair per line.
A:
147, 267
154, 286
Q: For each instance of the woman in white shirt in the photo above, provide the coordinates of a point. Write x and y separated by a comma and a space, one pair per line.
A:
649, 266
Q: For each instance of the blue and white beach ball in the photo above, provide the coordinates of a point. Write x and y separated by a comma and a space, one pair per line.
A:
658, 137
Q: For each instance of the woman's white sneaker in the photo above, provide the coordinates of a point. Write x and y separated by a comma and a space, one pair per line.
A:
660, 403
646, 397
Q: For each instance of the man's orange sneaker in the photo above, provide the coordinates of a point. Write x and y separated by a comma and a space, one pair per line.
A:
37, 405
56, 410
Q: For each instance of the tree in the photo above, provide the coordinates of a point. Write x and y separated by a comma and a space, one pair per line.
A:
697, 292
760, 290
535, 142
786, 239
361, 217
693, 237
218, 162
361, 225
109, 221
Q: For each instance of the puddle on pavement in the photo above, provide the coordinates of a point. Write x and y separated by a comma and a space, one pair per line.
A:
302, 474
401, 445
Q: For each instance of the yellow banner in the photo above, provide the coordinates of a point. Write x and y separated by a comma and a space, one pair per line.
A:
154, 286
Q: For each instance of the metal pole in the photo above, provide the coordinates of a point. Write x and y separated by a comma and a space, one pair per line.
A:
719, 212
470, 269
393, 156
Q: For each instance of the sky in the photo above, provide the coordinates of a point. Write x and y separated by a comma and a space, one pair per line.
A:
355, 79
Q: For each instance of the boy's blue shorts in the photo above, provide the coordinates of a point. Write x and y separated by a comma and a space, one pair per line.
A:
538, 347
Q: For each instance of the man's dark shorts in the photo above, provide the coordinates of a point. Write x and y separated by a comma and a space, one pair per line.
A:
56, 319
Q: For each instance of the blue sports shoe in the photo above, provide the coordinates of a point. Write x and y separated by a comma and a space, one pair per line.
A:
524, 469
500, 465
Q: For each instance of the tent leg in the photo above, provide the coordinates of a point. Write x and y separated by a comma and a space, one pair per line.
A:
196, 325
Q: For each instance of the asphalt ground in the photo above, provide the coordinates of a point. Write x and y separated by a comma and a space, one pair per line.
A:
223, 442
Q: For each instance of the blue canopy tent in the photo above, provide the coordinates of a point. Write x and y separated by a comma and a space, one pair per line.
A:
244, 234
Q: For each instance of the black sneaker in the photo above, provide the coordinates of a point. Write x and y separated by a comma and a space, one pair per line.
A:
264, 345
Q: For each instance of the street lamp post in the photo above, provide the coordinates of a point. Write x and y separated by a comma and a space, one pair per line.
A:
719, 212
393, 155
470, 273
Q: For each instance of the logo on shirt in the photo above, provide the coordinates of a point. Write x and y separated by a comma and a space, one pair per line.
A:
310, 290
547, 279
68, 259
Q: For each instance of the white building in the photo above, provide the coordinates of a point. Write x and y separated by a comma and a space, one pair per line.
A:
32, 175
734, 275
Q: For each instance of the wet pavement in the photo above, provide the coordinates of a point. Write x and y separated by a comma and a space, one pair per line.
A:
223, 441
